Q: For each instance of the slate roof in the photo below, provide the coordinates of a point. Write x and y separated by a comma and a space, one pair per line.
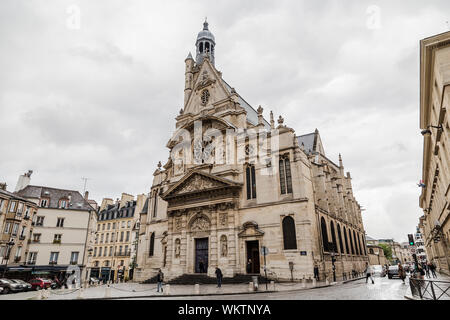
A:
145, 208
14, 196
308, 142
77, 201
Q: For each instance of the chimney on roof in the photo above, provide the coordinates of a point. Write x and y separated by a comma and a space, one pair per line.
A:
86, 195
23, 181
3, 186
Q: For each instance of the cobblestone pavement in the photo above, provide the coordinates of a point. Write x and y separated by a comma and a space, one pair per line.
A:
383, 289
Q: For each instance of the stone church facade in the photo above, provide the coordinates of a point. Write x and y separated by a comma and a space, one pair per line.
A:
242, 193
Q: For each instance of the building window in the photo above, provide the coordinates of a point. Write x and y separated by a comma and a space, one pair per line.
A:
342, 250
57, 238
346, 242
128, 236
129, 224
36, 237
364, 245
40, 221
54, 257
32, 256
63, 203
323, 226
114, 225
74, 257
109, 226
60, 223
371, 251
357, 249
155, 203
351, 241
15, 229
22, 234
251, 181
285, 175
95, 251
44, 203
18, 254
7, 227
112, 237
152, 244
121, 236
103, 226
20, 208
13, 206
289, 235
333, 238
100, 251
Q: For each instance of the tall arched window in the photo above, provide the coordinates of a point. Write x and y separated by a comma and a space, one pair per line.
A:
251, 181
289, 236
356, 243
323, 225
342, 250
285, 175
351, 241
364, 245
152, 245
155, 203
347, 249
333, 237
359, 244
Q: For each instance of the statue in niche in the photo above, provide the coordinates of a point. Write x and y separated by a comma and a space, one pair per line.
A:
177, 248
223, 246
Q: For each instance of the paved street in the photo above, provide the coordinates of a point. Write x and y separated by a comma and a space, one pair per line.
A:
383, 289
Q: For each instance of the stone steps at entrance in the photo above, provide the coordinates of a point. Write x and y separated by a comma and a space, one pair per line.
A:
204, 279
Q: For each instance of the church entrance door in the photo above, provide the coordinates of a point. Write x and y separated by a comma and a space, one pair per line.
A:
201, 255
253, 257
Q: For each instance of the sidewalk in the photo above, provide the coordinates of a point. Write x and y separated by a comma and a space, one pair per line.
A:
136, 290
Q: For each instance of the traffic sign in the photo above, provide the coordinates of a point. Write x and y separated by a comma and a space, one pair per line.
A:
265, 251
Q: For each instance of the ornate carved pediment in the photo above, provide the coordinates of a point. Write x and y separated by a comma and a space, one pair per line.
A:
197, 182
251, 230
201, 223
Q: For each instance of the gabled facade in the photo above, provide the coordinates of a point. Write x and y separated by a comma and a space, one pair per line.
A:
236, 185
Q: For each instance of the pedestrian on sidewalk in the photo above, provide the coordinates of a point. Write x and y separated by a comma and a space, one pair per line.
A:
368, 272
433, 269
249, 266
316, 271
401, 273
219, 277
420, 272
159, 280
427, 270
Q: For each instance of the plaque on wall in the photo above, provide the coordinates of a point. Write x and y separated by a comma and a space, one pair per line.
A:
303, 253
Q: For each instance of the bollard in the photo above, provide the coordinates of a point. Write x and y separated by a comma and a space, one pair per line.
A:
39, 295
196, 288
304, 282
250, 286
314, 282
46, 293
167, 291
272, 285
80, 293
108, 292
326, 281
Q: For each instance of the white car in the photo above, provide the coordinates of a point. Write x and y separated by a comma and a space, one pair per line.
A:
378, 270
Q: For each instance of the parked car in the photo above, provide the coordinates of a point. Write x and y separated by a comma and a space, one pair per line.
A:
39, 283
378, 270
1, 290
393, 272
26, 285
10, 286
94, 280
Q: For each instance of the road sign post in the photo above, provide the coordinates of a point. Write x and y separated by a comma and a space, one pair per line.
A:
265, 251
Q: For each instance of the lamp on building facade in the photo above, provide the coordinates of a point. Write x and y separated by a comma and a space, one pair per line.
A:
9, 245
428, 131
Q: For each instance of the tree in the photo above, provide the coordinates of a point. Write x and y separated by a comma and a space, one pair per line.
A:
387, 251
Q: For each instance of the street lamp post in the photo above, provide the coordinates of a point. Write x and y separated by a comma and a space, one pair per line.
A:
8, 253
88, 267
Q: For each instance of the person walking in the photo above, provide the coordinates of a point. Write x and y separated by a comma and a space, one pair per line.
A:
428, 269
159, 280
368, 272
316, 271
219, 277
249, 266
401, 273
433, 269
420, 273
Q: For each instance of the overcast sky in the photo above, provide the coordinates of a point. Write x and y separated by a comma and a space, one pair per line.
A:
97, 96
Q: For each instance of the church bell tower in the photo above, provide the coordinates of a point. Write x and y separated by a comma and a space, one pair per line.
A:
205, 45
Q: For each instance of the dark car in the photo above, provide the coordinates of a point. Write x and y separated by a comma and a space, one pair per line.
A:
26, 285
10, 286
393, 272
39, 283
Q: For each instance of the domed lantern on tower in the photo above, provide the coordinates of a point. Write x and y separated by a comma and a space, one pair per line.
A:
205, 45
